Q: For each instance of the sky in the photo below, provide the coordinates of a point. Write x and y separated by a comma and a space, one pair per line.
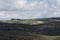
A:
29, 9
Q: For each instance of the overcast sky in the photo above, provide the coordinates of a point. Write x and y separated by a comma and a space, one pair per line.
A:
27, 9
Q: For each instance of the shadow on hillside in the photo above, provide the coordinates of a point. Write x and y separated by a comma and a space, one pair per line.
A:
43, 29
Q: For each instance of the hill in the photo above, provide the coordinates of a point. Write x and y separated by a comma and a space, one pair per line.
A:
33, 29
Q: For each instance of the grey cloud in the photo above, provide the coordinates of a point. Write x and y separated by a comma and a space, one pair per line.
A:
10, 9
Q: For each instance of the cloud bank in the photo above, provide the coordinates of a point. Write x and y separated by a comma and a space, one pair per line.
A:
27, 9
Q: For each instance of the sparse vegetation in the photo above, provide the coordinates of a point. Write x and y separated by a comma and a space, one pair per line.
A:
18, 30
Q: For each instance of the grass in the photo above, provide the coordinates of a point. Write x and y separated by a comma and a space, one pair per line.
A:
30, 22
14, 35
22, 34
33, 22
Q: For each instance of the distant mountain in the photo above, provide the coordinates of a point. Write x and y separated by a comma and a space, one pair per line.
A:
55, 18
32, 21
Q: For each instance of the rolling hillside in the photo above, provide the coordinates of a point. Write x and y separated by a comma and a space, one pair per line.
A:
34, 29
